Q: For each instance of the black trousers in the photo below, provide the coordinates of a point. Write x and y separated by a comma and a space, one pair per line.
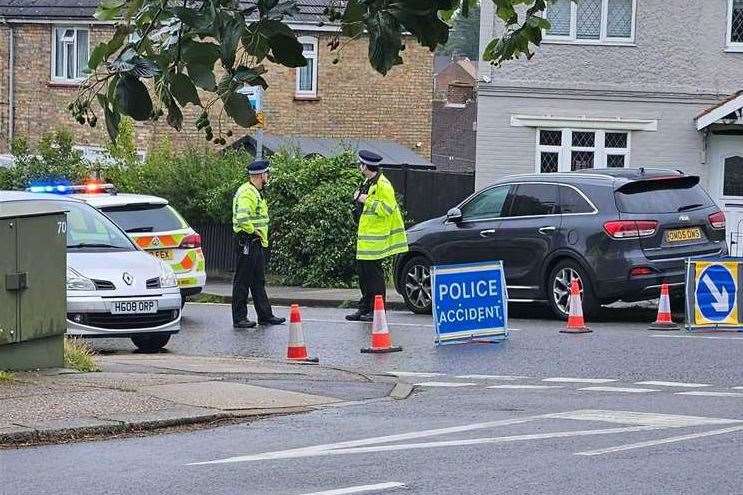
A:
250, 278
371, 283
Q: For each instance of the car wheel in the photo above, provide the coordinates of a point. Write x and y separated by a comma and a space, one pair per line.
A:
150, 343
558, 289
416, 285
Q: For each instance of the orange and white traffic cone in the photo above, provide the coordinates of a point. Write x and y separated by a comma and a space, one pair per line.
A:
664, 321
576, 323
297, 349
380, 337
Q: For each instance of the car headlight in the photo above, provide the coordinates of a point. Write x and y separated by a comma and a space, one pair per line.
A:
167, 276
76, 281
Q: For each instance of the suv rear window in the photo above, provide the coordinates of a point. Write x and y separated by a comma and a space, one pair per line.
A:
662, 196
145, 218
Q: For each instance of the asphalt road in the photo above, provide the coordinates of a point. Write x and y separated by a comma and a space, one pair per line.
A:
621, 410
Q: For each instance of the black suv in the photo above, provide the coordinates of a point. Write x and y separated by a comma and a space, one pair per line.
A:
619, 232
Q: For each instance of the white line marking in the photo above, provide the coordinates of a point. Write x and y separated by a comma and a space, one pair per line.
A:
360, 489
661, 441
674, 384
345, 322
619, 389
492, 377
578, 380
711, 394
641, 418
737, 388
444, 384
711, 337
410, 373
526, 387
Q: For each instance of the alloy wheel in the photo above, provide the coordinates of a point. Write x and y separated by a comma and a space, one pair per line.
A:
561, 288
418, 286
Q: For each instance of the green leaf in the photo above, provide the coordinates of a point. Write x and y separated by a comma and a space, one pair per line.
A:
251, 76
385, 42
133, 99
202, 76
270, 35
97, 55
183, 90
194, 52
238, 107
109, 10
229, 31
353, 19
112, 117
175, 116
145, 68
287, 51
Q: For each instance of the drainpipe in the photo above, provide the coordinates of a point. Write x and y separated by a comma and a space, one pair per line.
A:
11, 84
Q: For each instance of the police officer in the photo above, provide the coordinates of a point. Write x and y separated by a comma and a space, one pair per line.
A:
381, 232
250, 223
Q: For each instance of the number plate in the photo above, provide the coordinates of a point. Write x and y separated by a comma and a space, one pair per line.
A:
133, 307
681, 235
163, 254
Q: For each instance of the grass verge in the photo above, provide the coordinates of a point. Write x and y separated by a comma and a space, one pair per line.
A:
6, 376
79, 356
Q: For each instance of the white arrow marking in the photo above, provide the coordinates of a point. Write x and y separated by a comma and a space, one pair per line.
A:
722, 303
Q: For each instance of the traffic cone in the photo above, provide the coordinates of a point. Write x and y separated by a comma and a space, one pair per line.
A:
297, 349
576, 323
664, 320
380, 338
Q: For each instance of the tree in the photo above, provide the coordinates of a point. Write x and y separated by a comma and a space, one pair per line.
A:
464, 36
163, 50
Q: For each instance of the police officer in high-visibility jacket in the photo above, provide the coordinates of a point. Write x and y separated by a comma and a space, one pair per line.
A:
250, 223
381, 232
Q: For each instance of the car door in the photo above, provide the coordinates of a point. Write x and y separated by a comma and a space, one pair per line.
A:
473, 237
527, 235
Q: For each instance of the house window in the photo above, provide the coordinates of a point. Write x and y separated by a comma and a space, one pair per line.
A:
70, 47
735, 24
591, 21
562, 150
307, 75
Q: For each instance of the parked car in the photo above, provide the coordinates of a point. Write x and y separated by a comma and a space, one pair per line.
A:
156, 227
619, 232
113, 288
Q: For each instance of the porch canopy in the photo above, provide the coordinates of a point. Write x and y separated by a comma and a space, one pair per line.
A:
727, 112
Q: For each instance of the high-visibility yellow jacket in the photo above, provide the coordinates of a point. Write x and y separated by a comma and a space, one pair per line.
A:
250, 212
381, 228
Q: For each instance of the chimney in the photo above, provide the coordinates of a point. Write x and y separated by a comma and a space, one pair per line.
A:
459, 94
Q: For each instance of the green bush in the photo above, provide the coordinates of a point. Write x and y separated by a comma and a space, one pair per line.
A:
313, 232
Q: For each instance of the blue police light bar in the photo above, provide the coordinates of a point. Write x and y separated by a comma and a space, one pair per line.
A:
89, 188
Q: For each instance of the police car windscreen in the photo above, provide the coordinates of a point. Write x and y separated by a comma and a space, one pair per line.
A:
145, 218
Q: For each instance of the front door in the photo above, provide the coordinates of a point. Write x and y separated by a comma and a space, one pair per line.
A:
727, 186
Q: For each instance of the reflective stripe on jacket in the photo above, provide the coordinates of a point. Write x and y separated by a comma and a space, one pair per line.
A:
381, 229
250, 212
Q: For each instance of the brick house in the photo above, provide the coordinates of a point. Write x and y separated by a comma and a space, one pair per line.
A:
43, 47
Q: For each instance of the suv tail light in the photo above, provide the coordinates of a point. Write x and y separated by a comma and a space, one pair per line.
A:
717, 220
630, 229
191, 241
640, 271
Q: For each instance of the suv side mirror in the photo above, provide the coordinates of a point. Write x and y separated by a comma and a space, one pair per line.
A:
454, 215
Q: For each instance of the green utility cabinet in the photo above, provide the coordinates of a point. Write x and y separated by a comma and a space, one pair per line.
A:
33, 292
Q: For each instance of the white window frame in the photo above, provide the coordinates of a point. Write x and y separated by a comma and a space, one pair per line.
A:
731, 46
572, 38
309, 55
74, 44
564, 151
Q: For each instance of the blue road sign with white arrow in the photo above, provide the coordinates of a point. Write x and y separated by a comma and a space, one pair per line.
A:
716, 293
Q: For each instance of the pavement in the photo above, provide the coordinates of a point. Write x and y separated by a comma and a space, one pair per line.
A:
137, 392
221, 290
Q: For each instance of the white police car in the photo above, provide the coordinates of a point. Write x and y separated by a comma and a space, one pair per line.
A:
114, 289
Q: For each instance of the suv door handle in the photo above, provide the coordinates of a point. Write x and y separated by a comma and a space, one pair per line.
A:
547, 230
487, 233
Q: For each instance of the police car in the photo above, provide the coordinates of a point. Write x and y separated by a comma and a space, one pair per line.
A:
157, 228
113, 288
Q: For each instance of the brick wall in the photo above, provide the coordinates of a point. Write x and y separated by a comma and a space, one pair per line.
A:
353, 101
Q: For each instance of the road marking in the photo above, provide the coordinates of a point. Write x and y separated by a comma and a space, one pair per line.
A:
579, 380
361, 489
492, 377
619, 389
715, 337
641, 418
711, 394
674, 384
411, 373
345, 322
661, 441
444, 384
526, 387
737, 388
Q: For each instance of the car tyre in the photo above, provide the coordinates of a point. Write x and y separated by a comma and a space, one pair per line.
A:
151, 343
558, 289
416, 285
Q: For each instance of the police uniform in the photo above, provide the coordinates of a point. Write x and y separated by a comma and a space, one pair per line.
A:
250, 224
381, 234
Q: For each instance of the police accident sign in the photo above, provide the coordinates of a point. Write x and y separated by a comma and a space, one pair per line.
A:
469, 301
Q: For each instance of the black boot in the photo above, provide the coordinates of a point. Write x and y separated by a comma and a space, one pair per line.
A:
359, 315
273, 320
244, 324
